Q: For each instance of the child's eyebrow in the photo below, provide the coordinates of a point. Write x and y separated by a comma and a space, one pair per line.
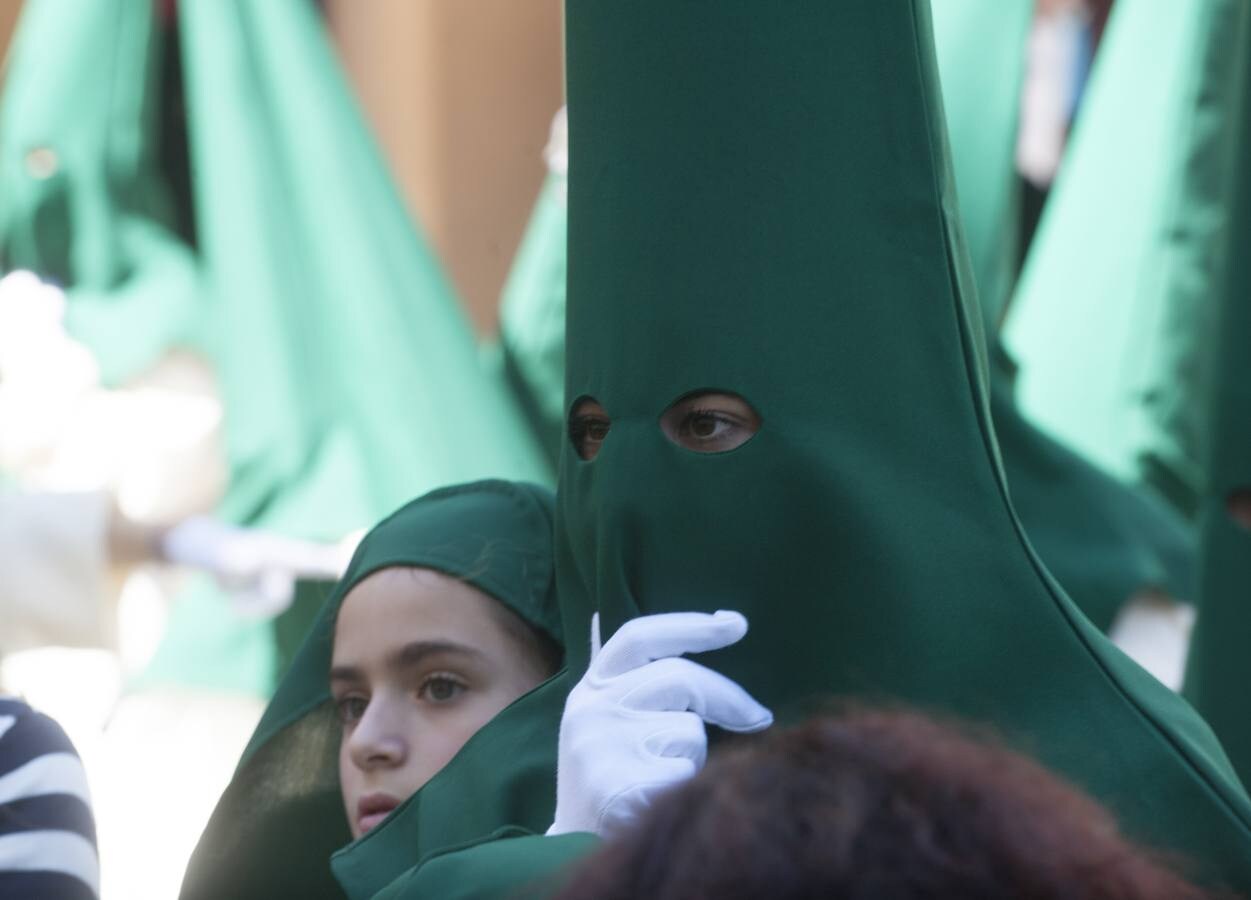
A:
408, 657
346, 673
412, 655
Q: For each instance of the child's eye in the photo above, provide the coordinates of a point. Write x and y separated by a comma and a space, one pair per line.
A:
351, 708
441, 688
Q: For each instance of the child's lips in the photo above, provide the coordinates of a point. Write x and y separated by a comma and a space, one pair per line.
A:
372, 809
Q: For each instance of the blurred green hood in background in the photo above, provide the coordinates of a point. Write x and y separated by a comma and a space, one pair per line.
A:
277, 244
1114, 318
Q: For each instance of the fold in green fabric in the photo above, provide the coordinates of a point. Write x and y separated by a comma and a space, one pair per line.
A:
1113, 320
281, 817
1104, 541
797, 244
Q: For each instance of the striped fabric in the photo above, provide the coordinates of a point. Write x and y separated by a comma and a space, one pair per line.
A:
47, 834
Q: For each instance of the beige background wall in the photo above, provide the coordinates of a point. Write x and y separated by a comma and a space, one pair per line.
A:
461, 94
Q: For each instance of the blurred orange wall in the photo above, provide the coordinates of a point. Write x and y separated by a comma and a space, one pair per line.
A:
461, 94
8, 18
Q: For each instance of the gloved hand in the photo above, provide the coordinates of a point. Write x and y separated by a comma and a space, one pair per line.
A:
634, 725
257, 567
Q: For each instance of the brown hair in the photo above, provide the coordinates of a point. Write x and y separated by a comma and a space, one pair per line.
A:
875, 804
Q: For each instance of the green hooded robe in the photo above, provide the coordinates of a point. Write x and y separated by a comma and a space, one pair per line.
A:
797, 244
91, 192
281, 817
1113, 320
760, 202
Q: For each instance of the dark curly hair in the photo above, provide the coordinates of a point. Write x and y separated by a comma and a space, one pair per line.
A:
875, 804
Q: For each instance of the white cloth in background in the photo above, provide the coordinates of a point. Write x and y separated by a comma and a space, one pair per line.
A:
54, 579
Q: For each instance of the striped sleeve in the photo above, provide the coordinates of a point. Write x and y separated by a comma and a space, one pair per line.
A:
47, 833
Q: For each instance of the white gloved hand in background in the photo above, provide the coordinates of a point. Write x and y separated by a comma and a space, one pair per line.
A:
634, 725
259, 568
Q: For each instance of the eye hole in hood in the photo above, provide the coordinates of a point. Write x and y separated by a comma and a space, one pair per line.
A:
710, 421
589, 425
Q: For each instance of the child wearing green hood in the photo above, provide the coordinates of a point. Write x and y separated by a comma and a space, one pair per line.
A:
445, 616
422, 660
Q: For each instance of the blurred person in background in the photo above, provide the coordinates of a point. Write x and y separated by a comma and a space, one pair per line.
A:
104, 511
1062, 43
47, 833
874, 804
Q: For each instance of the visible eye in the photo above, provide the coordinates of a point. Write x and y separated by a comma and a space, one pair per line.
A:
350, 708
588, 427
710, 422
441, 687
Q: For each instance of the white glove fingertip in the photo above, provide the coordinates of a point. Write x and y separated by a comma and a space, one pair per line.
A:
760, 724
595, 640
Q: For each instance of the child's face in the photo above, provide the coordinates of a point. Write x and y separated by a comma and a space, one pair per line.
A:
421, 661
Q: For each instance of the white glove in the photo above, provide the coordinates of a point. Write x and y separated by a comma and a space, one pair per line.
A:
257, 567
634, 725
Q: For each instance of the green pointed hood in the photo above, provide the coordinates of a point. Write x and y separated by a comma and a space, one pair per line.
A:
1217, 674
760, 202
1113, 321
281, 817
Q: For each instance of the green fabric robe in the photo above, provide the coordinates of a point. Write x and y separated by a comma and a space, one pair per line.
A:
798, 245
281, 817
